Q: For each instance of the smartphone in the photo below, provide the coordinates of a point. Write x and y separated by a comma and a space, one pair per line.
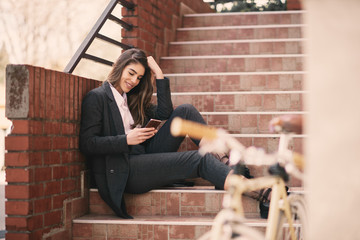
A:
153, 123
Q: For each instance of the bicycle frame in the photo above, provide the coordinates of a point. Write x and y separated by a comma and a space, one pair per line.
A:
238, 184
278, 202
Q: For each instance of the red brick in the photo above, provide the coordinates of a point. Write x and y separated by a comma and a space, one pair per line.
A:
40, 143
82, 230
18, 175
42, 174
35, 222
16, 159
20, 127
61, 90
51, 158
24, 223
36, 127
57, 101
36, 92
48, 88
42, 205
71, 97
69, 156
37, 234
17, 236
73, 142
60, 172
52, 128
172, 204
17, 208
76, 100
42, 104
60, 142
17, 191
66, 97
75, 170
58, 201
51, 188
125, 231
68, 185
80, 207
17, 143
68, 129
182, 232
16, 223
52, 218
51, 106
37, 190
193, 200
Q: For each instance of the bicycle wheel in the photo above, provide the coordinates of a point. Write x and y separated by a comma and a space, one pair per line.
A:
228, 226
239, 233
299, 217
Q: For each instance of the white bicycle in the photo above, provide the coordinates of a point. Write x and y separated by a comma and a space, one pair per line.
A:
287, 218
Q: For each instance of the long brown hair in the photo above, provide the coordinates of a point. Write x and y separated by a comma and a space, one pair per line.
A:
139, 98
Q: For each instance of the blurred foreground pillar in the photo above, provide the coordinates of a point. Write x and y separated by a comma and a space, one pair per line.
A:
333, 149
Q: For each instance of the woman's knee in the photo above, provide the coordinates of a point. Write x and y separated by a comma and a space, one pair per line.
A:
186, 109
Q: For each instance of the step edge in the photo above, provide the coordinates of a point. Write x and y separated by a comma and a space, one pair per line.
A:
238, 93
178, 191
233, 73
241, 27
257, 113
245, 13
290, 55
206, 221
239, 41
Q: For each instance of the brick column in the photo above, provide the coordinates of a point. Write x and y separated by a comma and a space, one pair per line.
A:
155, 23
44, 169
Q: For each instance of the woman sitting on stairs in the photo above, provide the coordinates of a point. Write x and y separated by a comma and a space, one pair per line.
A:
126, 157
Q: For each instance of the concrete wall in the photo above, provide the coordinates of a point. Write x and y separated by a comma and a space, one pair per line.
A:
333, 147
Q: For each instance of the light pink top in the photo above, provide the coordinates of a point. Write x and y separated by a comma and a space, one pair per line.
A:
121, 102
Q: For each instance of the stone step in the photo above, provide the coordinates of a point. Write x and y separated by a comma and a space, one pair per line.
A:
188, 226
94, 227
284, 81
233, 63
243, 122
240, 32
240, 18
241, 101
268, 142
197, 201
191, 201
237, 47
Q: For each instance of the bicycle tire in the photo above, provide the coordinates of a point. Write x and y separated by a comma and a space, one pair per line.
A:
228, 226
299, 216
240, 233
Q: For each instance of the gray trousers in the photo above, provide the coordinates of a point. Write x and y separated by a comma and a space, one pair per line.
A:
158, 163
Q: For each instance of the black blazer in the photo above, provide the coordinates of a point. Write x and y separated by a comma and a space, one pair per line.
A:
103, 140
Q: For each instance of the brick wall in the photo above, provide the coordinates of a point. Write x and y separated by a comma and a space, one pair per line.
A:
156, 21
44, 168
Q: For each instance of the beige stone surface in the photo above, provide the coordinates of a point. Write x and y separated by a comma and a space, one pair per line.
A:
333, 151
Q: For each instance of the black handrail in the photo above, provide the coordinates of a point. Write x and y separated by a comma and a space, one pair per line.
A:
94, 33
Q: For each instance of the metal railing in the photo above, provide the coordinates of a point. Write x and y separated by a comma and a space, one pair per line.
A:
94, 33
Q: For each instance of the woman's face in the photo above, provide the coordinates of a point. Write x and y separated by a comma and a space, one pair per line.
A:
131, 77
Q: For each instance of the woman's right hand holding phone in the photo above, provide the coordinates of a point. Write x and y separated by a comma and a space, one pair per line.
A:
140, 135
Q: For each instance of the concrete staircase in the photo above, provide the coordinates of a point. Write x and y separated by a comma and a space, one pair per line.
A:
240, 70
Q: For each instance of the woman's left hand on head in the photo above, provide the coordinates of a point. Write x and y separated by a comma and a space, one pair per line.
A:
155, 68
